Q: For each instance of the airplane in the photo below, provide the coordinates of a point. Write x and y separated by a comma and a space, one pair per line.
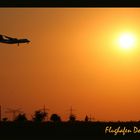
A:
10, 40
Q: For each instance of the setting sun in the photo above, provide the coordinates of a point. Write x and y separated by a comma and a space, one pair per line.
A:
127, 40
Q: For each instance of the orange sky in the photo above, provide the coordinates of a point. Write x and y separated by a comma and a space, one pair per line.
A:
73, 60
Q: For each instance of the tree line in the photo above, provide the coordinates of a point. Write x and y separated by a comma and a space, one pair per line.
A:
42, 116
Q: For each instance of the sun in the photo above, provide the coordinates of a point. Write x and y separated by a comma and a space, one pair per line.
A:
126, 40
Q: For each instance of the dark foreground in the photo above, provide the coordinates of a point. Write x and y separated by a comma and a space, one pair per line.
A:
69, 131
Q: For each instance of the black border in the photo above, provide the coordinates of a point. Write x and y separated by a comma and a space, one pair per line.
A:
69, 3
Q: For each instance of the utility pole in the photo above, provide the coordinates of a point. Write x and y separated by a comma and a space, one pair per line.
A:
72, 117
91, 118
45, 110
71, 111
13, 112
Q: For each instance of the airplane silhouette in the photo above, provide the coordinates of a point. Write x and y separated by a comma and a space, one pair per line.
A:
10, 40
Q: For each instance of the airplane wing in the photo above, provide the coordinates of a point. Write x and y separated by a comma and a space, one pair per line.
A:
9, 37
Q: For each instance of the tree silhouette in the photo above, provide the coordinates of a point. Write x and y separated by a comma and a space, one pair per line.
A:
20, 118
5, 119
72, 118
39, 116
86, 118
55, 118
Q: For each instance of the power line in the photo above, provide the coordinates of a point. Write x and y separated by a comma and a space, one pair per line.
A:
13, 112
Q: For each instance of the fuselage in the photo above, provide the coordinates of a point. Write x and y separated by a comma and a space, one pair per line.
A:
14, 41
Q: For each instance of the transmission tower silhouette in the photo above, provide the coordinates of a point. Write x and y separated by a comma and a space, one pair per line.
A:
14, 112
45, 111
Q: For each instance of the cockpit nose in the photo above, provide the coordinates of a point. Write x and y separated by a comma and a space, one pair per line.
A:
27, 40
